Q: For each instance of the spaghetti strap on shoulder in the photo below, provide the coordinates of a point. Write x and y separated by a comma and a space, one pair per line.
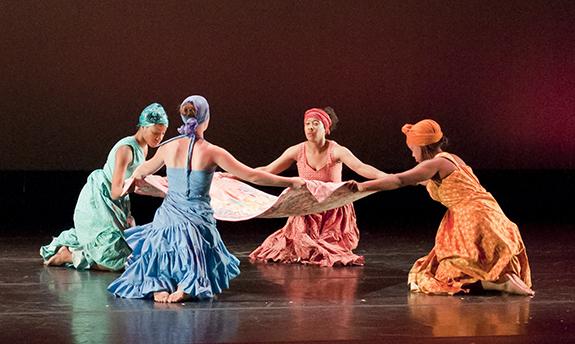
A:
301, 151
461, 167
330, 148
190, 153
449, 157
190, 148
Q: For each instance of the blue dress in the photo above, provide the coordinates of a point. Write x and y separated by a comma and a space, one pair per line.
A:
181, 247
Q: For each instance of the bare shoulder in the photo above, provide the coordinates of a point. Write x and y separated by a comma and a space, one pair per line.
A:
173, 148
124, 153
458, 159
338, 150
203, 144
296, 146
293, 150
434, 163
210, 149
454, 157
442, 165
171, 145
124, 149
336, 146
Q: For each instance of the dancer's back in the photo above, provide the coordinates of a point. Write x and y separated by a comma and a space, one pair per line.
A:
189, 180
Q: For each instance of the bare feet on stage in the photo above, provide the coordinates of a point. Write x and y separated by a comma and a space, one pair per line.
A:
165, 297
161, 296
518, 286
178, 296
509, 283
63, 256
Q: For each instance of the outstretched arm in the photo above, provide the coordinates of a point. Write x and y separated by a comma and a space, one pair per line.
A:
282, 163
424, 171
356, 165
152, 165
225, 160
124, 156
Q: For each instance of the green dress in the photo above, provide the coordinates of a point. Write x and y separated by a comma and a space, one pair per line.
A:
99, 221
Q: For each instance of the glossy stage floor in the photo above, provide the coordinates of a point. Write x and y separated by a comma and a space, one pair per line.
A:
292, 303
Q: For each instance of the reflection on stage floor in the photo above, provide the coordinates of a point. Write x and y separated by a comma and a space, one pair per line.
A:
291, 303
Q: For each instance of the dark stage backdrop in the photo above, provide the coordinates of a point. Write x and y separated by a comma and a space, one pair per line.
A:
498, 75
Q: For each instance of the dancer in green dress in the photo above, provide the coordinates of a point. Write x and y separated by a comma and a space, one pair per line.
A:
102, 212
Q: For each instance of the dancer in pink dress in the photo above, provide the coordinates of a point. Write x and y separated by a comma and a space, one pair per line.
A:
327, 238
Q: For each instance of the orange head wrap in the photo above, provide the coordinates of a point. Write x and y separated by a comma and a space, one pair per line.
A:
422, 133
321, 116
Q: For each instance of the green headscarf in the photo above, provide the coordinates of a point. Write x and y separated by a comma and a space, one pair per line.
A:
153, 114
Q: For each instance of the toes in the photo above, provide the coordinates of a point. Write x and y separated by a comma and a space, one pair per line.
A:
175, 297
521, 285
49, 261
161, 297
53, 261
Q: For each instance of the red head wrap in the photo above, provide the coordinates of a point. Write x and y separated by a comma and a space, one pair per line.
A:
321, 116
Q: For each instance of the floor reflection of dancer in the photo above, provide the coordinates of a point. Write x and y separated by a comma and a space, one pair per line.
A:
306, 285
102, 213
81, 299
206, 323
475, 241
327, 238
456, 317
182, 255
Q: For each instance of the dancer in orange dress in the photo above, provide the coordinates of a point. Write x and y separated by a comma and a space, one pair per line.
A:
327, 238
475, 243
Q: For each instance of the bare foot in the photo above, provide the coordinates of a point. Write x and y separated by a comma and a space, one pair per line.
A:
509, 283
131, 221
519, 287
178, 296
161, 296
63, 256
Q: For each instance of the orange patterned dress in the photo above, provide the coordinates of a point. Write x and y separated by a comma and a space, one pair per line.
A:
324, 239
475, 240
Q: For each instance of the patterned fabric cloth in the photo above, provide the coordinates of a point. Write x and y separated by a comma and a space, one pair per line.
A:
475, 240
234, 200
324, 239
99, 221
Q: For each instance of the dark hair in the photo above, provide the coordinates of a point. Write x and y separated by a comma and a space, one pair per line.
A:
188, 109
334, 120
429, 151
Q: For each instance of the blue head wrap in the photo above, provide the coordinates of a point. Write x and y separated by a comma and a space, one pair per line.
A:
202, 114
191, 122
153, 114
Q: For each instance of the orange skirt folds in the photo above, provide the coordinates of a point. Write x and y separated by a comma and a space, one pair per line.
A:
475, 240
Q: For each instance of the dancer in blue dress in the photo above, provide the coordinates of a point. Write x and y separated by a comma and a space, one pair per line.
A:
180, 255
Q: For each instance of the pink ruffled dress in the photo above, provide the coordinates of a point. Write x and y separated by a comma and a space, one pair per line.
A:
324, 239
